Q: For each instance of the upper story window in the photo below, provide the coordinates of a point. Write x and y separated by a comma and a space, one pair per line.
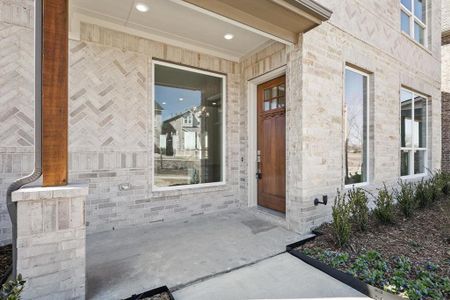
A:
356, 126
189, 136
413, 133
413, 19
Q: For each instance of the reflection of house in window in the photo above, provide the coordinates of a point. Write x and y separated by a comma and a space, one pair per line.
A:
185, 132
188, 126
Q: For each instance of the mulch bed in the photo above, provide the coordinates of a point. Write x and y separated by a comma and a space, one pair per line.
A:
423, 238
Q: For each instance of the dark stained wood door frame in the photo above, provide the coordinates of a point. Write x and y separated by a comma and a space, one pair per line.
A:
55, 62
276, 201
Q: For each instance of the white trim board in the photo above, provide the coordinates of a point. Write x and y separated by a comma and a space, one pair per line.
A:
252, 86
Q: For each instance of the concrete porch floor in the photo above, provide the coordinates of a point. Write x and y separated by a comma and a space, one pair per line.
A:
239, 254
130, 261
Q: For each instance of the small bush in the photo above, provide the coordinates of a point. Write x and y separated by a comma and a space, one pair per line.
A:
440, 180
444, 178
425, 193
12, 289
405, 198
341, 220
384, 210
357, 201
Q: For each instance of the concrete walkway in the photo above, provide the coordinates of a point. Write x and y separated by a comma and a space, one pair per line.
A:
130, 261
280, 277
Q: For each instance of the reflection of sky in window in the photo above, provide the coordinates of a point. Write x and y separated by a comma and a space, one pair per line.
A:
354, 100
171, 96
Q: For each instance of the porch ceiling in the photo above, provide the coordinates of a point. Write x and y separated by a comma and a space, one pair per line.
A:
282, 19
200, 25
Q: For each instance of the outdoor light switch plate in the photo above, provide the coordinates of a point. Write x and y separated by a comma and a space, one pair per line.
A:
124, 186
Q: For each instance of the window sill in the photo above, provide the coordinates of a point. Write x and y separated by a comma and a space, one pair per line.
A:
193, 188
413, 177
417, 43
356, 185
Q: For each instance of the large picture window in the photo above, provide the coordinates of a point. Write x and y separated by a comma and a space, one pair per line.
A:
356, 126
188, 126
413, 133
413, 19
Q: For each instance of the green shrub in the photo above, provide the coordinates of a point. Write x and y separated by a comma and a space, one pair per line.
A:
341, 220
12, 289
440, 180
406, 199
357, 201
425, 193
384, 206
398, 276
445, 182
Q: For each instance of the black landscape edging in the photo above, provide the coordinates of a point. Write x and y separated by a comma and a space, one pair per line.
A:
360, 286
151, 293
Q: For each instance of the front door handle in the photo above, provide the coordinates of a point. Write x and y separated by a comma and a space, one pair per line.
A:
258, 165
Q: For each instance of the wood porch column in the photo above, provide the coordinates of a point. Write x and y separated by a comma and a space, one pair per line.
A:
55, 92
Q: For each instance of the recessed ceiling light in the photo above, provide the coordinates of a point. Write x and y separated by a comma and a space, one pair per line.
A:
214, 103
164, 103
181, 99
228, 36
141, 7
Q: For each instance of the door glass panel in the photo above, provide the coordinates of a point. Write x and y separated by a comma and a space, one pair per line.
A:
281, 90
281, 102
274, 92
274, 104
266, 105
267, 94
406, 118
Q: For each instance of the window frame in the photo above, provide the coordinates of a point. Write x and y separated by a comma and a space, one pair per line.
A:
367, 75
223, 182
412, 149
412, 19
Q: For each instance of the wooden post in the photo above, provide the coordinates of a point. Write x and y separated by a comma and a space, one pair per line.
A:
55, 92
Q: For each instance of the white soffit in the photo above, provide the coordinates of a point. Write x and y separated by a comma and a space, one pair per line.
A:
170, 22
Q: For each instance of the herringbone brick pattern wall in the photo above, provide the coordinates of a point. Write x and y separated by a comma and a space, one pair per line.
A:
16, 99
110, 130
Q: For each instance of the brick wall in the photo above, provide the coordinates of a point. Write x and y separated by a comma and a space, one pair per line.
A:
16, 99
51, 241
110, 117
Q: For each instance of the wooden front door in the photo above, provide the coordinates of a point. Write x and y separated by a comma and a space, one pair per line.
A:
271, 155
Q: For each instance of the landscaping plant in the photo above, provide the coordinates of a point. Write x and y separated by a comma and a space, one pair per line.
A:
398, 277
358, 205
12, 289
341, 220
405, 198
425, 193
384, 206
